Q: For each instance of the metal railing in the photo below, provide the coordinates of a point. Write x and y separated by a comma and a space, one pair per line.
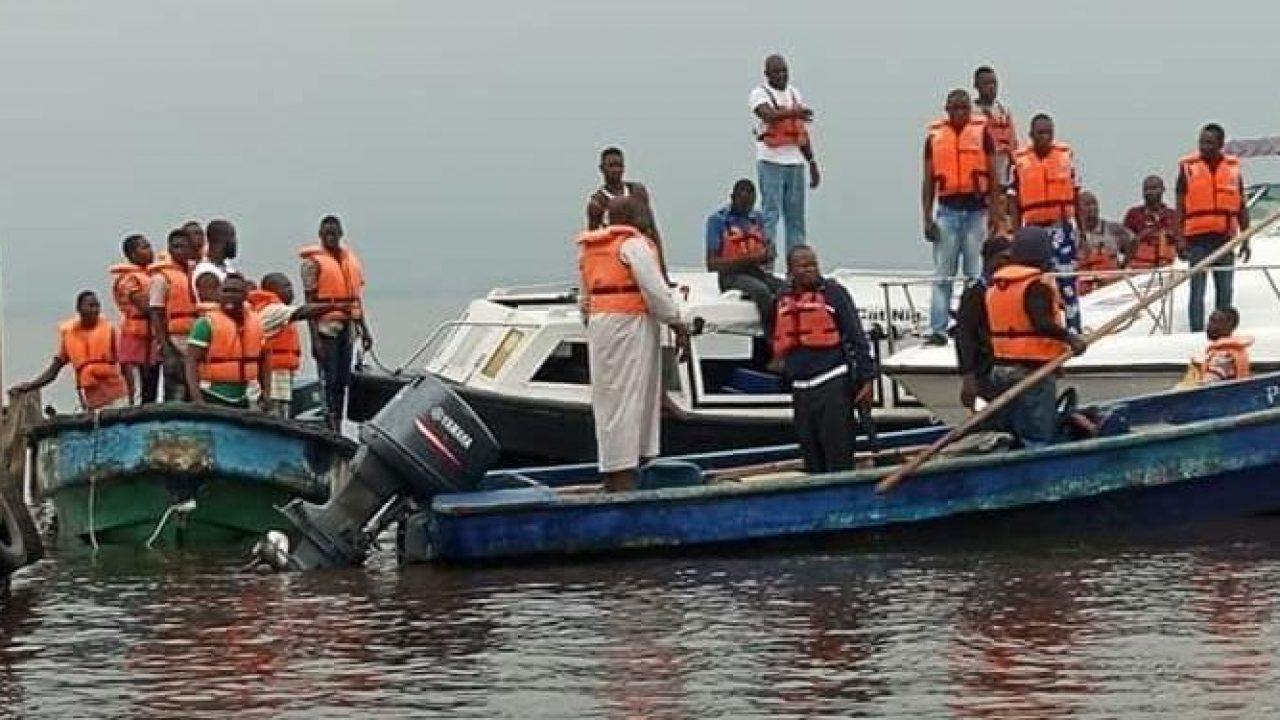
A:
1161, 314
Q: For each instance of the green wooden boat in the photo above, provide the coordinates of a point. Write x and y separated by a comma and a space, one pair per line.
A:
179, 474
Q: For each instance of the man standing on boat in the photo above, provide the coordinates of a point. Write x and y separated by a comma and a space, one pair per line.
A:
1026, 327
612, 170
332, 274
1102, 244
131, 287
783, 149
959, 167
1152, 225
1047, 187
212, 268
625, 302
740, 252
1000, 125
87, 343
226, 361
173, 311
827, 359
1211, 210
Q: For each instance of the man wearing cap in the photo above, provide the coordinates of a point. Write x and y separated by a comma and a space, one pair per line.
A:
1026, 324
973, 344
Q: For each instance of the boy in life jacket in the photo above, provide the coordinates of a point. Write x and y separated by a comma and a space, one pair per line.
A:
274, 305
739, 251
131, 287
1227, 357
173, 311
226, 361
827, 359
88, 344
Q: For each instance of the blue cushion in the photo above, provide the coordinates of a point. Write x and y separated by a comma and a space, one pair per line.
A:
755, 382
668, 474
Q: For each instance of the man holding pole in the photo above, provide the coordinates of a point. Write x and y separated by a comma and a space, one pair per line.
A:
1026, 323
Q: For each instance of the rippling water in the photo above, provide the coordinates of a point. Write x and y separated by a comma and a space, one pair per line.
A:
1183, 627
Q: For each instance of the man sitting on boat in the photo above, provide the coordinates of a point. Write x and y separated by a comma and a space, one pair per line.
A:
88, 343
973, 343
226, 361
1026, 325
827, 359
274, 304
625, 302
739, 251
1227, 357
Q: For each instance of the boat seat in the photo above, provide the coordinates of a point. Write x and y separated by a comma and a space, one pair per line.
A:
661, 474
732, 294
754, 382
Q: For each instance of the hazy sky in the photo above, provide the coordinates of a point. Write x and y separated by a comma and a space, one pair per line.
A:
458, 140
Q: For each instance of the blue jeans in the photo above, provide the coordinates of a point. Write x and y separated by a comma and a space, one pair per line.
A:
1223, 281
1033, 416
960, 232
782, 189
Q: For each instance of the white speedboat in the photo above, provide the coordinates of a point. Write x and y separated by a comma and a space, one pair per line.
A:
519, 358
1149, 355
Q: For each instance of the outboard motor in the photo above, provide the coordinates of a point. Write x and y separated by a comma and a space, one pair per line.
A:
425, 441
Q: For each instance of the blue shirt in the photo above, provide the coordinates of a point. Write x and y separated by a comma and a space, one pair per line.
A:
721, 220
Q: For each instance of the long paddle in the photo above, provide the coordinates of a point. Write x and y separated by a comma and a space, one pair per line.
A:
1008, 396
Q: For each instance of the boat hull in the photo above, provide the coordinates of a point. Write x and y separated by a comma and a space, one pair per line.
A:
128, 477
1182, 468
531, 431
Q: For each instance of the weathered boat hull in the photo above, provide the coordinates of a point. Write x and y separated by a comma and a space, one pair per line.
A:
1189, 469
123, 478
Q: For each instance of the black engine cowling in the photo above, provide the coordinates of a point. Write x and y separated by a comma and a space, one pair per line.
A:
424, 442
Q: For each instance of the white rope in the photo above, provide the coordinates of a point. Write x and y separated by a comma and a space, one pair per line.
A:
184, 506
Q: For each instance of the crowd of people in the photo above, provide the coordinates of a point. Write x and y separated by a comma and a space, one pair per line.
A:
1013, 217
193, 328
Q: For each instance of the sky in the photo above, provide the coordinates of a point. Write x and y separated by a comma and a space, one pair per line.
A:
458, 141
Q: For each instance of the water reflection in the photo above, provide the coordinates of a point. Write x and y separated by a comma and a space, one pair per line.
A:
952, 632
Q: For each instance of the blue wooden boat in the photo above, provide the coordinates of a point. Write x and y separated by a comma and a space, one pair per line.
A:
180, 474
1170, 458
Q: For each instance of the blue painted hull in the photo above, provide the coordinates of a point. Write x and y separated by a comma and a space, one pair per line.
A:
1203, 455
116, 477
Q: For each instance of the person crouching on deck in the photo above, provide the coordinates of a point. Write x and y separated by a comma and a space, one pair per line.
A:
827, 359
226, 362
1227, 357
87, 343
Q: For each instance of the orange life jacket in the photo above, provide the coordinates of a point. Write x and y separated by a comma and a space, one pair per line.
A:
92, 354
791, 131
1046, 186
959, 158
1153, 247
1012, 335
341, 280
234, 348
129, 280
1000, 125
1212, 200
804, 320
1227, 359
737, 244
1095, 257
606, 280
284, 349
180, 304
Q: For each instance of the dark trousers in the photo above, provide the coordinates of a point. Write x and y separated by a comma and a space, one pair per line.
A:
759, 287
334, 366
148, 383
824, 425
175, 376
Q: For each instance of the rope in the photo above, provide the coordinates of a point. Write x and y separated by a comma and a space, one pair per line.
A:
93, 481
377, 362
182, 506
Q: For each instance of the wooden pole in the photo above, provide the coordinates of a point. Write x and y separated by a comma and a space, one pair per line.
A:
1008, 396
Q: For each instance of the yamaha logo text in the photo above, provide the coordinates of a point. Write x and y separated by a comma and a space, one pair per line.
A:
451, 426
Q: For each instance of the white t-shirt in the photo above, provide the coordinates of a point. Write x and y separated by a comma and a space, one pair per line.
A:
762, 95
205, 266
